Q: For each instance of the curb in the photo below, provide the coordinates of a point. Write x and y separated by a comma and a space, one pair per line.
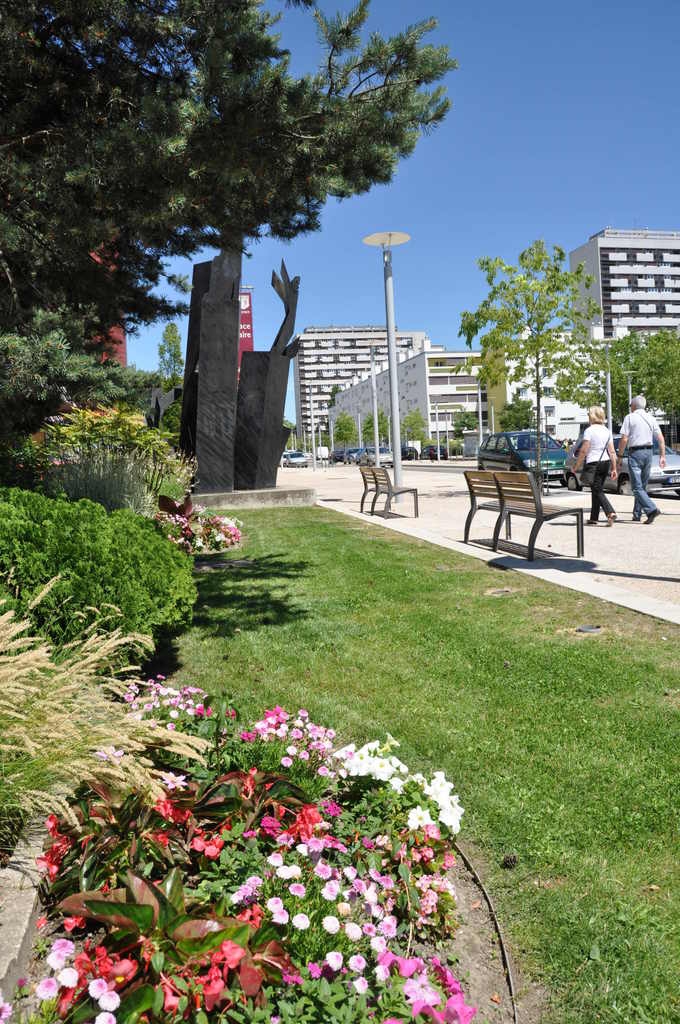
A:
19, 908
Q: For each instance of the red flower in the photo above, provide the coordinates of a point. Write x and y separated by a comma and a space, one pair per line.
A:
305, 822
213, 848
171, 997
171, 812
41, 922
251, 915
52, 825
213, 986
122, 971
73, 922
160, 837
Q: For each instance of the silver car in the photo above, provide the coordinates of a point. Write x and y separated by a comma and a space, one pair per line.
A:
368, 457
666, 479
297, 459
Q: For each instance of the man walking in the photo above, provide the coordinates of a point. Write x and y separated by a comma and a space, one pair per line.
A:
638, 431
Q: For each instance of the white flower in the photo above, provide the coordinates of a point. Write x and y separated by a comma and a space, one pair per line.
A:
289, 871
331, 924
275, 859
353, 931
397, 784
334, 960
97, 988
301, 922
419, 817
68, 977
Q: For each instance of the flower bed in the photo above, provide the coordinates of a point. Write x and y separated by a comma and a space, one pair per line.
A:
200, 531
281, 880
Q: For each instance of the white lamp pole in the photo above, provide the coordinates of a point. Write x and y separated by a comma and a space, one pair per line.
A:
374, 402
361, 439
386, 239
436, 427
311, 418
479, 409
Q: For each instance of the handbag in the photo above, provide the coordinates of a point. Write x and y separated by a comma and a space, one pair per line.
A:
590, 468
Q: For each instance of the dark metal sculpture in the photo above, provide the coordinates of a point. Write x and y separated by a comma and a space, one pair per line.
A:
160, 403
260, 434
234, 427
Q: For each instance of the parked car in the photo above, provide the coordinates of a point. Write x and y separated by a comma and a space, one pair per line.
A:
297, 459
338, 455
429, 451
368, 457
666, 479
352, 455
409, 454
516, 450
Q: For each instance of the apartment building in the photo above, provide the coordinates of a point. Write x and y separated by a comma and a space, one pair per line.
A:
435, 382
636, 279
330, 356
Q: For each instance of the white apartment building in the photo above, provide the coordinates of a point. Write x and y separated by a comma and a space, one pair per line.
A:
435, 382
330, 356
636, 278
563, 420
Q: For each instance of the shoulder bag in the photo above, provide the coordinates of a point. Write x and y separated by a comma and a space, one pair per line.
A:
590, 468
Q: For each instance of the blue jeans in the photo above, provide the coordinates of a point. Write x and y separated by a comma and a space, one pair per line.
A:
640, 466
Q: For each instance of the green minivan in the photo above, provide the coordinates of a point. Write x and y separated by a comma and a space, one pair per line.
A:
516, 449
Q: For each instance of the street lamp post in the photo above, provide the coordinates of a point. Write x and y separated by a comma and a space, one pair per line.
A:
374, 402
629, 380
436, 427
479, 409
311, 418
361, 438
386, 239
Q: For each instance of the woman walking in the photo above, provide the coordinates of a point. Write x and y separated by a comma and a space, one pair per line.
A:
597, 451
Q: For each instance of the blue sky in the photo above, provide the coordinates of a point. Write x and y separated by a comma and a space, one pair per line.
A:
565, 120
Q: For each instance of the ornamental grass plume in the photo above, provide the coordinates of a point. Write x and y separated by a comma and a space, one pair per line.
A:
62, 724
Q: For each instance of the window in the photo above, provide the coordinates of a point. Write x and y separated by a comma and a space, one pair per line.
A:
522, 393
503, 445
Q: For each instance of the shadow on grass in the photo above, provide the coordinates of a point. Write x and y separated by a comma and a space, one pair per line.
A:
247, 594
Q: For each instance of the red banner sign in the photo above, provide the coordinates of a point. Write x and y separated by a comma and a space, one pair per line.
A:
245, 331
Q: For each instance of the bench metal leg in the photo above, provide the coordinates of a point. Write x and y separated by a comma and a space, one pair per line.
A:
497, 528
468, 521
363, 499
580, 547
375, 498
532, 538
508, 527
415, 504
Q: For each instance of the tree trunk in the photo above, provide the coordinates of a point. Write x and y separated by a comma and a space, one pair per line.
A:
538, 423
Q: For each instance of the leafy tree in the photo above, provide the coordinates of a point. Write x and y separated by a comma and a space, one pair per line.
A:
654, 363
536, 324
331, 397
134, 132
413, 426
367, 428
517, 415
464, 421
344, 429
170, 361
39, 375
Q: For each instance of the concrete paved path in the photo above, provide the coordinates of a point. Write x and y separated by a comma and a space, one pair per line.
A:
634, 565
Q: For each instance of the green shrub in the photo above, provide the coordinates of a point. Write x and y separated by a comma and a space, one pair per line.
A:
104, 562
112, 457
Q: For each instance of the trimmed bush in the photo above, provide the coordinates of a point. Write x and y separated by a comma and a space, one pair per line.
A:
105, 561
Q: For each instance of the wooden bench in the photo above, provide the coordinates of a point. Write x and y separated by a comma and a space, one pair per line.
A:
369, 484
517, 494
383, 485
483, 495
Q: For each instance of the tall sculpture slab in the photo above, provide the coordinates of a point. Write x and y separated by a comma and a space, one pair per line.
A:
260, 434
234, 427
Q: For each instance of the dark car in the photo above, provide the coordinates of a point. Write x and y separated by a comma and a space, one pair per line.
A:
430, 452
338, 455
516, 449
408, 454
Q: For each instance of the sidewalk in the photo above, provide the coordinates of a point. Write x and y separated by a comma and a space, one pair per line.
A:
635, 566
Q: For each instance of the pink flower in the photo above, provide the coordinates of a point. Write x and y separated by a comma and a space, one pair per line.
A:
97, 988
275, 904
369, 929
297, 889
419, 992
352, 931
357, 963
323, 870
388, 927
331, 925
330, 890
5, 1010
457, 1012
63, 947
109, 1001
286, 762
105, 1018
378, 944
275, 859
334, 960
360, 985
301, 922
314, 970
282, 917
382, 972
47, 989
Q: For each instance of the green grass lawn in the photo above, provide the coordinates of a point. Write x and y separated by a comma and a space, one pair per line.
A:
564, 747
